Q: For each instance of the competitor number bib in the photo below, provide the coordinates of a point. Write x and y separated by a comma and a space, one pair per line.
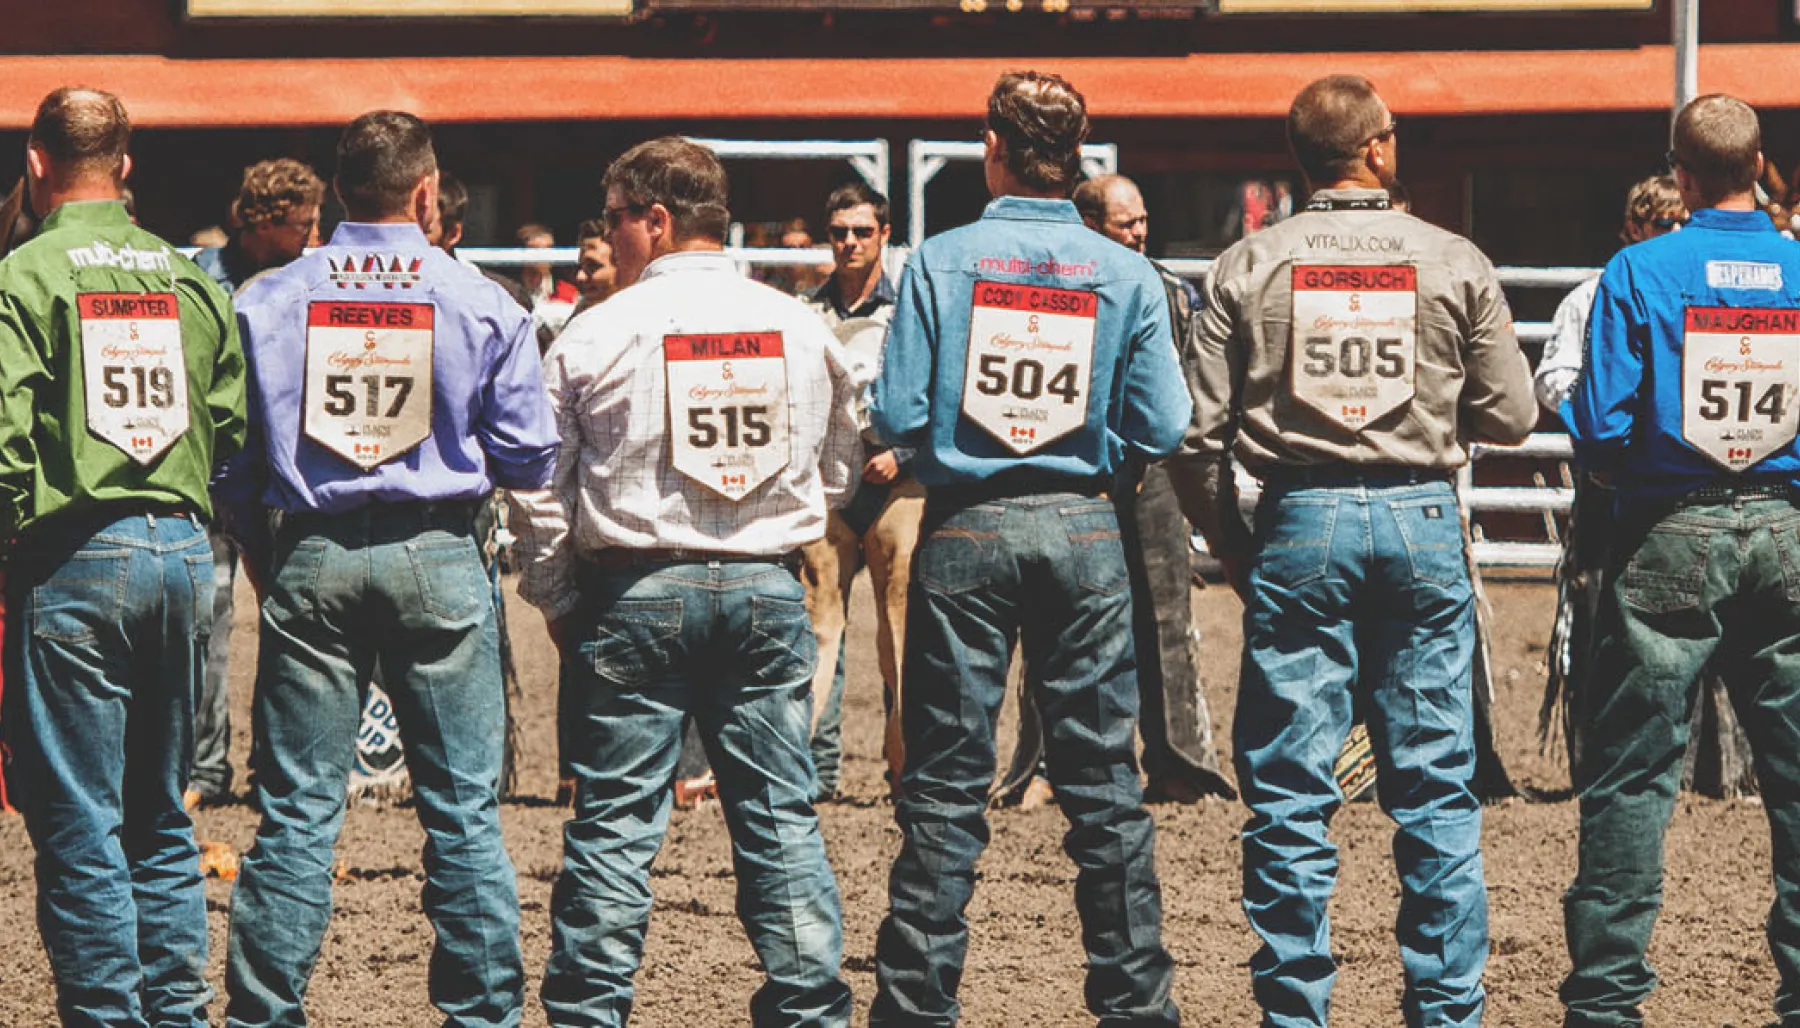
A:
1355, 340
134, 373
728, 409
1740, 368
368, 378
1030, 362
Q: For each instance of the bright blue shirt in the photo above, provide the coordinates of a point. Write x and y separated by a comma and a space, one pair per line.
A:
1625, 413
491, 422
1137, 399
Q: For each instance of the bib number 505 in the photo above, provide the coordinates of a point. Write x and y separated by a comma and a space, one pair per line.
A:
1350, 357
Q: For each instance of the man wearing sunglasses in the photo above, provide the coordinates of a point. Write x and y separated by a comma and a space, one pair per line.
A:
1346, 356
880, 525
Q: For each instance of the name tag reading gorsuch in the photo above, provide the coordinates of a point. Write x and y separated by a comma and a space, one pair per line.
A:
1740, 368
368, 378
728, 409
1355, 337
134, 373
1030, 362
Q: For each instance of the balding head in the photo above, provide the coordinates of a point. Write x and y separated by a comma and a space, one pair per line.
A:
1112, 206
78, 142
1718, 149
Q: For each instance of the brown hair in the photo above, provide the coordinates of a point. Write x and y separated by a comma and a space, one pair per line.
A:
1330, 122
683, 176
381, 157
83, 131
532, 230
273, 188
857, 194
1718, 140
1655, 197
453, 201
593, 228
1043, 121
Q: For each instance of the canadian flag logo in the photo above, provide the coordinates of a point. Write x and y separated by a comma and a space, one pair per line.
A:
733, 480
1356, 412
1734, 453
141, 443
367, 449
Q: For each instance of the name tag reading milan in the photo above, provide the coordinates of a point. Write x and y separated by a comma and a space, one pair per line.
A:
368, 378
1740, 368
134, 373
728, 409
1355, 337
1030, 362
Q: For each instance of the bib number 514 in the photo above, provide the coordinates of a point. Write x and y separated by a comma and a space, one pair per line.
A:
1717, 401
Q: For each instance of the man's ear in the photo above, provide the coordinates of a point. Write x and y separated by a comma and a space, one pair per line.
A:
659, 223
452, 236
993, 148
124, 167
37, 162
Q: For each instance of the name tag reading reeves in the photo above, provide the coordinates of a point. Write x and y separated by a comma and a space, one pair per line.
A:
728, 409
134, 373
1355, 340
368, 378
1740, 368
1030, 362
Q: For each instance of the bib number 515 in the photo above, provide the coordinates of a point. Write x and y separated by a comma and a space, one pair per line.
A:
1025, 379
739, 426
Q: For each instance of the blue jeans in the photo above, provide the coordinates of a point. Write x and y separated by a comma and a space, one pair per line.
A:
104, 657
1683, 587
1361, 582
211, 776
1046, 571
728, 644
401, 584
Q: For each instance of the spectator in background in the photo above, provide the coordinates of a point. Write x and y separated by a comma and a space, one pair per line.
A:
552, 299
595, 277
277, 217
208, 238
800, 279
453, 213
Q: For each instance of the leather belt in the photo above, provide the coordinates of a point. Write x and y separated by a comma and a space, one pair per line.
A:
619, 558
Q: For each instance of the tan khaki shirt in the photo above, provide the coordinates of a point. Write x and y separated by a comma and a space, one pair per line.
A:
1469, 380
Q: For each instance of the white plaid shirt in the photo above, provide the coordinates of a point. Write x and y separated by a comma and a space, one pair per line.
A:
615, 480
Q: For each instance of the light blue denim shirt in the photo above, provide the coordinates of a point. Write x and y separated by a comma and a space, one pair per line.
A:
1137, 400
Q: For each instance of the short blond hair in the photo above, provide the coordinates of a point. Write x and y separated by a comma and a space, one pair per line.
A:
1655, 197
273, 188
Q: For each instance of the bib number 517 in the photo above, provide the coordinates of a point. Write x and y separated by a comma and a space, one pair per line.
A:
1025, 379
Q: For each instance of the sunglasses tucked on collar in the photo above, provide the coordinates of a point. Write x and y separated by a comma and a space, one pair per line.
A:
839, 233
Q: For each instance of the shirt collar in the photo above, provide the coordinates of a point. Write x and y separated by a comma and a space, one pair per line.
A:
1031, 208
1363, 199
689, 260
88, 214
883, 296
1731, 221
395, 234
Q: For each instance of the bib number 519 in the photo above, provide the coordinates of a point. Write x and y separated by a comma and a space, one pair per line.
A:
1025, 379
155, 387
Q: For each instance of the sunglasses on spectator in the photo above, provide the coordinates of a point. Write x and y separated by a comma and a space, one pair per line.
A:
839, 233
1666, 223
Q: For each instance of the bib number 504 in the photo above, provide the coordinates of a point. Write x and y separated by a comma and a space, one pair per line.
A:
1024, 380
1719, 397
739, 426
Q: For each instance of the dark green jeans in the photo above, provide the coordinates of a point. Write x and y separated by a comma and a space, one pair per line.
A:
1692, 581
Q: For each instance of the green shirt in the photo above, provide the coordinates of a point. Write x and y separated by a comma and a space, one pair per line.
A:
92, 283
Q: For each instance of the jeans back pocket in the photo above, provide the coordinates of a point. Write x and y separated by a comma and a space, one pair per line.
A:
1431, 530
637, 642
1295, 534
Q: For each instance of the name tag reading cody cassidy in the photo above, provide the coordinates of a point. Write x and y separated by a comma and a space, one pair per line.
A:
1355, 340
1030, 362
1740, 368
134, 373
728, 408
368, 378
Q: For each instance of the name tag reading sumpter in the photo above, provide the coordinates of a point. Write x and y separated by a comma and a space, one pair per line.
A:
134, 372
1355, 340
1030, 362
368, 378
728, 409
1740, 369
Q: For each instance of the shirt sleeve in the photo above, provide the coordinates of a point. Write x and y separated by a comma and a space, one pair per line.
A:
1604, 405
1498, 404
517, 428
1561, 363
1157, 407
22, 373
900, 400
225, 398
540, 518
241, 480
1201, 472
841, 458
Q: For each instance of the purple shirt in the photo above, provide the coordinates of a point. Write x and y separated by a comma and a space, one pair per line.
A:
490, 425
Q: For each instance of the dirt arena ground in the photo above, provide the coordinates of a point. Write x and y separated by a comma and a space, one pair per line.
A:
1025, 960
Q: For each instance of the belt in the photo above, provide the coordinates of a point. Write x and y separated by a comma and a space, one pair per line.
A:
1014, 484
453, 515
1738, 491
1379, 475
620, 558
